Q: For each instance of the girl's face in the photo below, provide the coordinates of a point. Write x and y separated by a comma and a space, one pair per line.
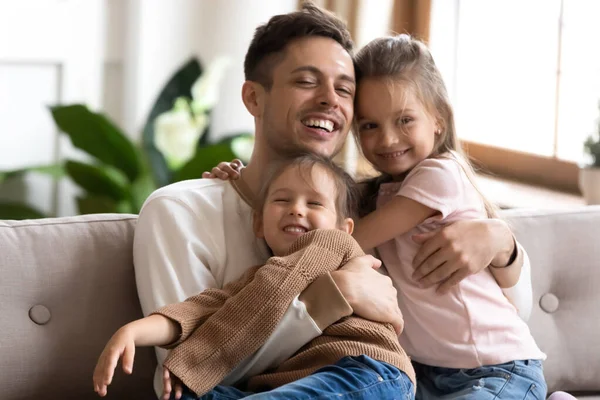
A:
396, 132
297, 204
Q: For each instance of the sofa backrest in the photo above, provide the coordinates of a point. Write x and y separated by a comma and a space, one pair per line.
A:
66, 285
565, 321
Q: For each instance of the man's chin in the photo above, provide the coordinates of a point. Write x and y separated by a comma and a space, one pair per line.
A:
327, 149
321, 149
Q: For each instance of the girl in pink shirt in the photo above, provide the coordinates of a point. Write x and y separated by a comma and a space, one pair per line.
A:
468, 342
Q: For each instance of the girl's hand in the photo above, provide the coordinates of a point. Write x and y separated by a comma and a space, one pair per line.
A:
120, 345
461, 249
170, 381
225, 170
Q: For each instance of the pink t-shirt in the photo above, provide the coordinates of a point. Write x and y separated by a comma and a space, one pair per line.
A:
472, 325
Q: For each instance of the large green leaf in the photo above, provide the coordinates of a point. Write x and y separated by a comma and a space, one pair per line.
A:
140, 190
10, 210
55, 171
204, 160
179, 85
158, 165
96, 180
102, 205
96, 135
206, 136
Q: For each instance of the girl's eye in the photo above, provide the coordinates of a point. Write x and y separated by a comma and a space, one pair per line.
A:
280, 200
405, 120
367, 126
314, 203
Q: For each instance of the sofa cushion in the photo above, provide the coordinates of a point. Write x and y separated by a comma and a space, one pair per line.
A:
66, 285
565, 259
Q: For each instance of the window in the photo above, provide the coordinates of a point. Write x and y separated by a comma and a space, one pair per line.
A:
524, 77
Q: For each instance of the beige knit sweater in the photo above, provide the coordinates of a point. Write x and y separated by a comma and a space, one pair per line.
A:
222, 327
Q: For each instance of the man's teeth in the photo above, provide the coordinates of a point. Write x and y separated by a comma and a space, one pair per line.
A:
295, 229
319, 123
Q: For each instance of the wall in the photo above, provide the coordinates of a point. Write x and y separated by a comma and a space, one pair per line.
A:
113, 55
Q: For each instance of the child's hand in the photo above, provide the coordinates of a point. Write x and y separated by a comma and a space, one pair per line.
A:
170, 381
225, 170
121, 344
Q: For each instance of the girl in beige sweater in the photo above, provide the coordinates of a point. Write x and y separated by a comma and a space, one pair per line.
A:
304, 213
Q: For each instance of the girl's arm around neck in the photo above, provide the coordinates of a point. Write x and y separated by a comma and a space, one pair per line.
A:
395, 218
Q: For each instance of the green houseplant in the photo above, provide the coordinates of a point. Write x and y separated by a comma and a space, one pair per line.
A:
119, 174
589, 173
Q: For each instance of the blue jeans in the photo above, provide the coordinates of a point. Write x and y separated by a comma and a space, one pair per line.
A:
350, 378
512, 380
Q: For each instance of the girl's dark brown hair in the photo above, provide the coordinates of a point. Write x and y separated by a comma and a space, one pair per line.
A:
346, 196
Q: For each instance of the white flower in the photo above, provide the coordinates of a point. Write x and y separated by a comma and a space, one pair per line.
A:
176, 134
242, 147
205, 91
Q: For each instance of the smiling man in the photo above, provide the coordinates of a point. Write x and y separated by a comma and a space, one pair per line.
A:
198, 234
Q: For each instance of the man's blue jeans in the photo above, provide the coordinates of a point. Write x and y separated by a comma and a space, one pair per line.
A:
350, 378
512, 380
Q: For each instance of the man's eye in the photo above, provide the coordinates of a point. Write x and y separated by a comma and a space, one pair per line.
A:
345, 91
305, 83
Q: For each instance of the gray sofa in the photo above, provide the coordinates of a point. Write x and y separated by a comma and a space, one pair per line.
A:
67, 284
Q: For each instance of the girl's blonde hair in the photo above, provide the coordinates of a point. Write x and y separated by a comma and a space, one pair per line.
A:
407, 60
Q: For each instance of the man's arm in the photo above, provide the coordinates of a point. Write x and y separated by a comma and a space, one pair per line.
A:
463, 248
521, 294
173, 251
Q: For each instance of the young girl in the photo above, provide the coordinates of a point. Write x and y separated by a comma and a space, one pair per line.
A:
304, 214
467, 343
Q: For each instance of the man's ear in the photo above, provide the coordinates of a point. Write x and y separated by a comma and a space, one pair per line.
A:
347, 226
253, 97
258, 225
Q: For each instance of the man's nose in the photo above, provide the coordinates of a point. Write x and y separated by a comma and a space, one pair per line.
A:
328, 96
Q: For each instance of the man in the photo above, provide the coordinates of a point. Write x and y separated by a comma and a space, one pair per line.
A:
198, 234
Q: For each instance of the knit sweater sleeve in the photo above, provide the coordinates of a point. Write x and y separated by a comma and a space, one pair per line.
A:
246, 320
195, 310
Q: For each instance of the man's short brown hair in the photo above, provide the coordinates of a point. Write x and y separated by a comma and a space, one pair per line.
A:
270, 39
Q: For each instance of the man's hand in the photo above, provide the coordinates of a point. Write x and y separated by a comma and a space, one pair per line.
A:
449, 255
169, 382
370, 294
120, 345
225, 170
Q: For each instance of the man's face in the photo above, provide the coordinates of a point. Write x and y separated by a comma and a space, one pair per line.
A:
310, 103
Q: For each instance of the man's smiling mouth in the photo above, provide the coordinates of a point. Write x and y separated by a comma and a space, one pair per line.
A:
323, 124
